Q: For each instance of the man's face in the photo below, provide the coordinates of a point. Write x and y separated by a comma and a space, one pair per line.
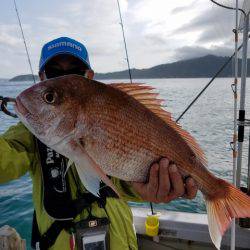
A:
64, 65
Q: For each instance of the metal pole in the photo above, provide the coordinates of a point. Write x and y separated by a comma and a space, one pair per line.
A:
242, 98
124, 40
232, 245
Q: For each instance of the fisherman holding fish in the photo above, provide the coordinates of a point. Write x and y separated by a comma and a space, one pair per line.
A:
66, 214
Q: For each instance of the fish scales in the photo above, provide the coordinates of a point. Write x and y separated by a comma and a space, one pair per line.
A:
148, 136
117, 149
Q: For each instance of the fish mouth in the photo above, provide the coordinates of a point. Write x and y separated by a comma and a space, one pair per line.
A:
20, 108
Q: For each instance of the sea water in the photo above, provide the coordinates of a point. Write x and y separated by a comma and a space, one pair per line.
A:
210, 121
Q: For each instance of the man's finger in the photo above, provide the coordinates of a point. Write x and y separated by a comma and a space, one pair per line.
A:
164, 182
191, 188
153, 182
176, 181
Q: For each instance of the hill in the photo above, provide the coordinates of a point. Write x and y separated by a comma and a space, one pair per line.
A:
205, 66
21, 78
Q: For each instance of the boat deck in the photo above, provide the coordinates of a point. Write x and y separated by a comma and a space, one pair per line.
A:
179, 230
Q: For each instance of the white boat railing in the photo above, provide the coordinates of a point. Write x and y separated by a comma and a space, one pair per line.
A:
187, 226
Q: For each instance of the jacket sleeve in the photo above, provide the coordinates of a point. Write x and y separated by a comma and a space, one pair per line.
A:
126, 191
16, 152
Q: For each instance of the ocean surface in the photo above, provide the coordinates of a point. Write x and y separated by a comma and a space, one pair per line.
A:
210, 121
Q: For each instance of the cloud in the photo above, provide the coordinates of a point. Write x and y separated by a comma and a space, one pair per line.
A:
214, 24
188, 52
54, 22
184, 8
9, 36
157, 31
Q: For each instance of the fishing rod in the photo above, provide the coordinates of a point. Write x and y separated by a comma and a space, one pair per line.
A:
235, 94
242, 121
124, 41
24, 41
241, 125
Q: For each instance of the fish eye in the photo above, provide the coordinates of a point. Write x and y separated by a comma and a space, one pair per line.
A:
49, 97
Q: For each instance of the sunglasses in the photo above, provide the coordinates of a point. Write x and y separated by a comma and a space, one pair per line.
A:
52, 72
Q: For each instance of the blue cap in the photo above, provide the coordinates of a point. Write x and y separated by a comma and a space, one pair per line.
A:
63, 45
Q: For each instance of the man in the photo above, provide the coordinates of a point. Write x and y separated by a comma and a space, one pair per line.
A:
62, 204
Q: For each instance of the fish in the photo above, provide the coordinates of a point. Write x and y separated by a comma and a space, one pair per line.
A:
119, 130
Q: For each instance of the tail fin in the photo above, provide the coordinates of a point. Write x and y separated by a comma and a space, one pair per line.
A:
221, 210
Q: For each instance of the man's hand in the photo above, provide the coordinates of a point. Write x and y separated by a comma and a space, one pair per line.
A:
165, 184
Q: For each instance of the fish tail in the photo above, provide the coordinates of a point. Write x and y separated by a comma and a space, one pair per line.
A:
222, 207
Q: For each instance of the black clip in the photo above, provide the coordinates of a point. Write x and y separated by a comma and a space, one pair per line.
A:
233, 88
231, 145
4, 103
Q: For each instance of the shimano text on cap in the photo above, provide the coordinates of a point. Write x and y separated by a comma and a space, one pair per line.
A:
63, 45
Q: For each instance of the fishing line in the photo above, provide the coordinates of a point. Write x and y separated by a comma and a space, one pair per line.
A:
208, 84
219, 71
217, 26
227, 7
24, 41
152, 209
5, 100
129, 70
124, 41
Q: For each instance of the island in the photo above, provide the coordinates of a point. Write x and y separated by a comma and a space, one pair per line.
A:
22, 78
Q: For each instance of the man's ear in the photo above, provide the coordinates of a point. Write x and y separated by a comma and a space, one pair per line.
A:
42, 76
89, 74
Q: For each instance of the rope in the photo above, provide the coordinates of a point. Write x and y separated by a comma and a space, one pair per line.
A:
124, 41
24, 41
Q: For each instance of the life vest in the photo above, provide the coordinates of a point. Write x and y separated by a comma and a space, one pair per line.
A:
56, 193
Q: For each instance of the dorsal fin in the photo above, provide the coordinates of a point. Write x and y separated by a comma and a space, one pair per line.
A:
145, 95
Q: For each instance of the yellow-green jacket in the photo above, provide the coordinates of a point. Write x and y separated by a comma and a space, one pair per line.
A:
19, 154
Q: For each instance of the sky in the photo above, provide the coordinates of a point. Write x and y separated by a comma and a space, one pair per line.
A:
157, 31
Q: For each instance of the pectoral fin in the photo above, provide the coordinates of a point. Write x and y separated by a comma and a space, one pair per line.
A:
69, 164
91, 173
89, 178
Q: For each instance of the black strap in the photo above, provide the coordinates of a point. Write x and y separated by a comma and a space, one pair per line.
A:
57, 193
56, 189
35, 235
48, 239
